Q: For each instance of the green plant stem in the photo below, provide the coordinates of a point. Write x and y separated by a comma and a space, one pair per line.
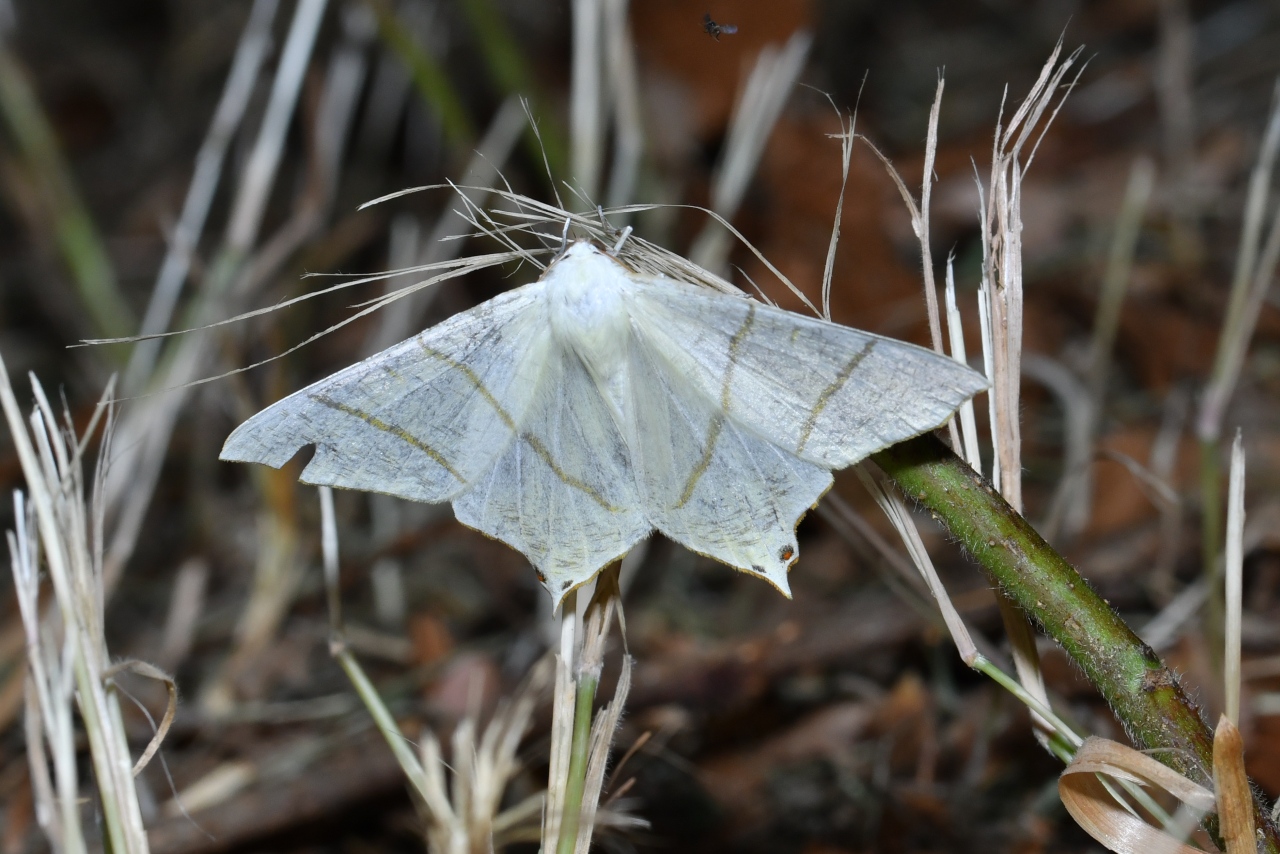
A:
578, 753
1142, 692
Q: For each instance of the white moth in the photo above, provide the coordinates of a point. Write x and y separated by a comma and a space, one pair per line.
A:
572, 416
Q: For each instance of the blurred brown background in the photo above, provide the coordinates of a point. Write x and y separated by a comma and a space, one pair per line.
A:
840, 721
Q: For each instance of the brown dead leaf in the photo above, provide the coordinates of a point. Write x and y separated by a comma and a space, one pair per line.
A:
1096, 811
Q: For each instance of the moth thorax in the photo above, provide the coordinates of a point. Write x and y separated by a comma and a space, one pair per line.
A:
588, 314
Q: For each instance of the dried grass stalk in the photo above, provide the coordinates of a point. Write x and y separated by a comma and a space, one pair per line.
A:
67, 658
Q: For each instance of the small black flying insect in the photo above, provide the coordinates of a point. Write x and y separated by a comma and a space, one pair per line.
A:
716, 30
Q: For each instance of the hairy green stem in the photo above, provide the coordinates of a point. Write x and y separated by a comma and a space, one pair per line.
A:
1143, 693
578, 754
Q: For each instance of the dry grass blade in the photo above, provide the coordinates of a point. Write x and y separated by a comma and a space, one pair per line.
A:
900, 517
66, 647
1115, 824
48, 724
1254, 272
562, 703
920, 214
955, 335
848, 133
1231, 784
1002, 269
150, 671
1076, 406
466, 816
1002, 315
263, 164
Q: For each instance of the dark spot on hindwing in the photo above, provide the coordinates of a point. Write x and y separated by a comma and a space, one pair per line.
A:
758, 568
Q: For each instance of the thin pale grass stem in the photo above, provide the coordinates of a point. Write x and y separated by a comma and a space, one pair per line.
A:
263, 164
846, 136
344, 81
602, 732
920, 227
985, 301
1235, 325
453, 268
900, 517
562, 715
48, 718
382, 717
624, 87
955, 332
485, 167
586, 100
905, 579
1076, 406
1164, 629
586, 677
984, 666
640, 254
920, 224
1118, 273
329, 552
1234, 570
